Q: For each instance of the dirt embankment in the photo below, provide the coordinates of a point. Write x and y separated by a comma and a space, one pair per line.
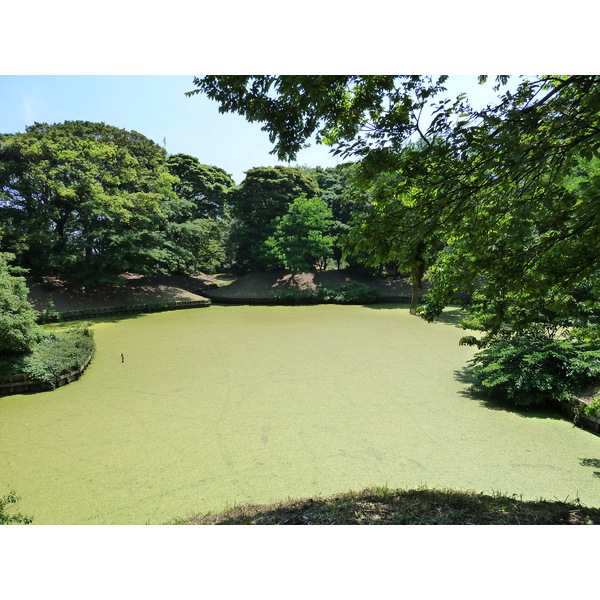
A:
134, 289
253, 287
265, 286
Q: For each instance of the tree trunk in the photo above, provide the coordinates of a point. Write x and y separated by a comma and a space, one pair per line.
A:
417, 273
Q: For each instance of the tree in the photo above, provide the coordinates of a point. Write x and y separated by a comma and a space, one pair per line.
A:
336, 188
18, 329
492, 178
85, 200
301, 236
194, 244
333, 108
206, 186
385, 230
264, 195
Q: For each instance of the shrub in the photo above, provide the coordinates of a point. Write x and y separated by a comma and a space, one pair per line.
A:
53, 355
534, 371
593, 408
49, 314
18, 518
350, 293
358, 293
18, 329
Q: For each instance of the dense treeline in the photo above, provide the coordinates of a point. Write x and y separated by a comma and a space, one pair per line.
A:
88, 202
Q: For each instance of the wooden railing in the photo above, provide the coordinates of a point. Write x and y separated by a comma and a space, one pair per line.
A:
589, 422
20, 383
87, 313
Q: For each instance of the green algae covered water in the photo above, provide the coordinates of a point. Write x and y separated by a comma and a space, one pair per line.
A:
247, 404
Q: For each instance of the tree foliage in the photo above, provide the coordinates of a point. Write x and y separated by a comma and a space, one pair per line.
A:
337, 191
85, 199
335, 108
302, 236
265, 194
491, 180
12, 518
204, 185
18, 329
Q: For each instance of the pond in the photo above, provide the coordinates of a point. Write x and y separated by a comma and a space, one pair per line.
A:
227, 405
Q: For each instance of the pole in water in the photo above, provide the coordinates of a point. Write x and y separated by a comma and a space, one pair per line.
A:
122, 358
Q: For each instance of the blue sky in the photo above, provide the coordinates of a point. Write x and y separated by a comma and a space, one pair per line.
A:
156, 106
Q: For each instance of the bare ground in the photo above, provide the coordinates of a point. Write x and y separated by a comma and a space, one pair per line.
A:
266, 285
137, 289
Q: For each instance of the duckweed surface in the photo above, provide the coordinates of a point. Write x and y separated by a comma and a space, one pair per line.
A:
228, 405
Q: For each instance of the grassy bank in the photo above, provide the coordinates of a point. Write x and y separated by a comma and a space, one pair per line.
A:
382, 506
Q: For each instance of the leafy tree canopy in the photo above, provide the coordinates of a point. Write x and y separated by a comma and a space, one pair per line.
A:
497, 183
264, 195
85, 199
204, 185
301, 236
18, 329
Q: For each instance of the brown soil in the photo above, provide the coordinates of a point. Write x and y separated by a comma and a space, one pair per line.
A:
136, 289
266, 285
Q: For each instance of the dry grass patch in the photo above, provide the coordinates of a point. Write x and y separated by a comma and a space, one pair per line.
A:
381, 506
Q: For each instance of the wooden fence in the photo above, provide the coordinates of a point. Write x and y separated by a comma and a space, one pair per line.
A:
87, 313
585, 421
20, 383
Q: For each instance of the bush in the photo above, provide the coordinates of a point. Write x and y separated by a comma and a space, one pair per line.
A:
350, 293
18, 329
533, 371
296, 296
52, 356
50, 313
18, 518
593, 408
358, 293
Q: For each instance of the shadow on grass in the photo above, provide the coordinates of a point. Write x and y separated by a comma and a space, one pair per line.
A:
591, 462
406, 507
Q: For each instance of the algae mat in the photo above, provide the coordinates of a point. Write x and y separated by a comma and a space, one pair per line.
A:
235, 404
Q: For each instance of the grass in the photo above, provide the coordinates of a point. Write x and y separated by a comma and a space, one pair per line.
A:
235, 405
382, 506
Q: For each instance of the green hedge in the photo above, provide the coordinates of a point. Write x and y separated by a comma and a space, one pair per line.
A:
12, 519
350, 293
52, 356
534, 371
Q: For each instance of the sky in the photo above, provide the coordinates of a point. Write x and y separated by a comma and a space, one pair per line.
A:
156, 106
